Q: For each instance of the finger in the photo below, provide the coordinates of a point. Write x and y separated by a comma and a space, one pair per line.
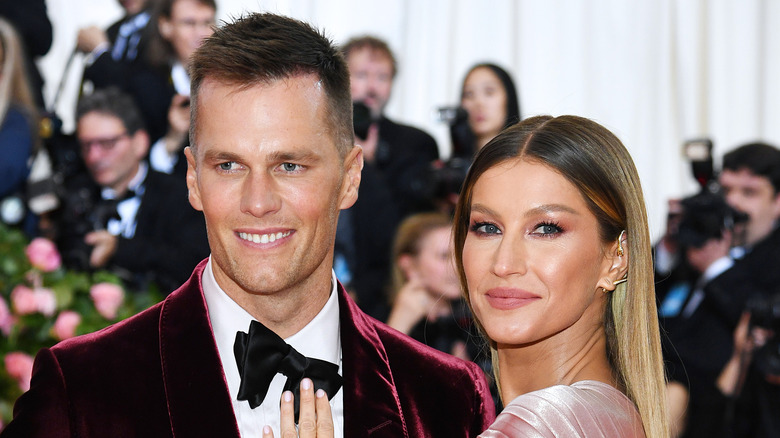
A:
307, 420
287, 424
268, 432
324, 417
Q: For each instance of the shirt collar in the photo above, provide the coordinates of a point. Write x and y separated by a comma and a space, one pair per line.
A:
318, 339
135, 185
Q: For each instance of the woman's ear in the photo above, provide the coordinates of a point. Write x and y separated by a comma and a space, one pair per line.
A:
616, 266
406, 263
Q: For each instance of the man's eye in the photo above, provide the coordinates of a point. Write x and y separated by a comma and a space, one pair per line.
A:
290, 167
228, 165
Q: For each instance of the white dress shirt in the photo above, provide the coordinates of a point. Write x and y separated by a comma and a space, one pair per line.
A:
319, 339
127, 209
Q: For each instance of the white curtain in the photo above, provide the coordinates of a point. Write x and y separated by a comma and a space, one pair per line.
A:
656, 72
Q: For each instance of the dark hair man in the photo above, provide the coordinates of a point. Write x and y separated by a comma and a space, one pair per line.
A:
126, 217
271, 164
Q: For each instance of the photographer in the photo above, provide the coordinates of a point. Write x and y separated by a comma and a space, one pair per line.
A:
750, 381
125, 216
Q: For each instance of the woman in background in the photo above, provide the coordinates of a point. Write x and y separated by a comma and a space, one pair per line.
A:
426, 292
553, 252
18, 130
489, 97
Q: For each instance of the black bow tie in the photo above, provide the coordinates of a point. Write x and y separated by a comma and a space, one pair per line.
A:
262, 354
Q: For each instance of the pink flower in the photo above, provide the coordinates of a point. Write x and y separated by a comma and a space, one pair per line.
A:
19, 366
45, 301
65, 325
7, 320
43, 254
23, 300
107, 298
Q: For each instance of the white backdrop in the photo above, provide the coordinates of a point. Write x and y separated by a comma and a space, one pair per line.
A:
656, 72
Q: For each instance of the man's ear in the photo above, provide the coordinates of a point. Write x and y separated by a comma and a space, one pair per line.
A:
192, 180
616, 263
353, 166
140, 141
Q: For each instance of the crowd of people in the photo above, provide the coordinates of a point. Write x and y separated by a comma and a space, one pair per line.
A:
250, 173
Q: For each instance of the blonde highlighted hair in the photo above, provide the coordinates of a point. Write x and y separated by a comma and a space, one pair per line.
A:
15, 87
596, 162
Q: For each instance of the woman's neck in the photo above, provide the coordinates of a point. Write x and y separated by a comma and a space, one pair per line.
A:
552, 361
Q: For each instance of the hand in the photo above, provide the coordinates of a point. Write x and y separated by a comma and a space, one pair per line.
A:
89, 38
369, 143
411, 305
104, 246
178, 123
315, 417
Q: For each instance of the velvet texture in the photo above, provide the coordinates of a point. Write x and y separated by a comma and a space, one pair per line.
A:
158, 374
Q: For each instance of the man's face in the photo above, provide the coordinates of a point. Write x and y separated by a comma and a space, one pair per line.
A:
189, 24
109, 152
132, 7
268, 177
371, 78
754, 195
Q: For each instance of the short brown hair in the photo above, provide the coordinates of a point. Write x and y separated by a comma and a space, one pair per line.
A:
372, 43
263, 48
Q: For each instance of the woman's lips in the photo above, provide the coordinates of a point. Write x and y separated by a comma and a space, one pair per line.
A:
506, 299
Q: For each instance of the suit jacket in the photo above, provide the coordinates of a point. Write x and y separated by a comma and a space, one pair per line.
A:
158, 374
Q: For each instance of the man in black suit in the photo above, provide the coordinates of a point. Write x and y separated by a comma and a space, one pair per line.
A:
113, 53
138, 221
272, 161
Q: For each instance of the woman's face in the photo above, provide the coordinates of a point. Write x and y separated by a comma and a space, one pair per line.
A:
434, 264
533, 258
484, 98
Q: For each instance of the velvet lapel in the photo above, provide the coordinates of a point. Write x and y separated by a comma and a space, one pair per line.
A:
198, 398
371, 403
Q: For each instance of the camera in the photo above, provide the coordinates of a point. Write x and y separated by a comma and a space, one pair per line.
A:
765, 313
699, 153
460, 133
361, 119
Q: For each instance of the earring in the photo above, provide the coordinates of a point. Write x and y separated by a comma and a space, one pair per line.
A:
620, 243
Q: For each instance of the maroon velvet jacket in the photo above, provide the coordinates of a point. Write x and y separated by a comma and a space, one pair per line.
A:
158, 374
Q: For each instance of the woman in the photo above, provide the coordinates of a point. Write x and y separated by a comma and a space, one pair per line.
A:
553, 253
18, 133
426, 302
489, 97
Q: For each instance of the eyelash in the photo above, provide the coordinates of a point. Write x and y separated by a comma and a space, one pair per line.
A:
476, 228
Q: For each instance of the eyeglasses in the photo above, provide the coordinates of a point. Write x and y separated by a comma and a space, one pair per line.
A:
195, 24
104, 144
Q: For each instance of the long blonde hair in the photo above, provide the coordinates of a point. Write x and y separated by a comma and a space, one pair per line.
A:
597, 163
15, 87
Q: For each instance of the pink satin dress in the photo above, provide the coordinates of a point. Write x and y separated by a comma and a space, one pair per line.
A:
584, 409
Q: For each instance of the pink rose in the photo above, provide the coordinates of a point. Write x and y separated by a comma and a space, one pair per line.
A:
19, 366
65, 325
45, 301
7, 320
107, 298
23, 300
43, 254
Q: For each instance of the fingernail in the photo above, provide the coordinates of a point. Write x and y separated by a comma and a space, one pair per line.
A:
266, 430
306, 384
287, 396
320, 393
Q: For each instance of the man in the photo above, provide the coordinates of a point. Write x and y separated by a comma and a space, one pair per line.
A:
127, 217
750, 180
112, 53
402, 154
271, 164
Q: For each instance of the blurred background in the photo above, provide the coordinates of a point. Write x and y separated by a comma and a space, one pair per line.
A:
656, 72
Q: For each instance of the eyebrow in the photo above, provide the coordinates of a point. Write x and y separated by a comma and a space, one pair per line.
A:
545, 208
273, 156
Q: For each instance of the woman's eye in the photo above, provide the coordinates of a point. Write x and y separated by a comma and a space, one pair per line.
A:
547, 229
484, 228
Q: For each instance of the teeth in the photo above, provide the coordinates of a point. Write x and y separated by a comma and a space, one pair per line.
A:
263, 238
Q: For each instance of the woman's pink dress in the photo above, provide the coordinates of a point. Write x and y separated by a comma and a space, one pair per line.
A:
583, 409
